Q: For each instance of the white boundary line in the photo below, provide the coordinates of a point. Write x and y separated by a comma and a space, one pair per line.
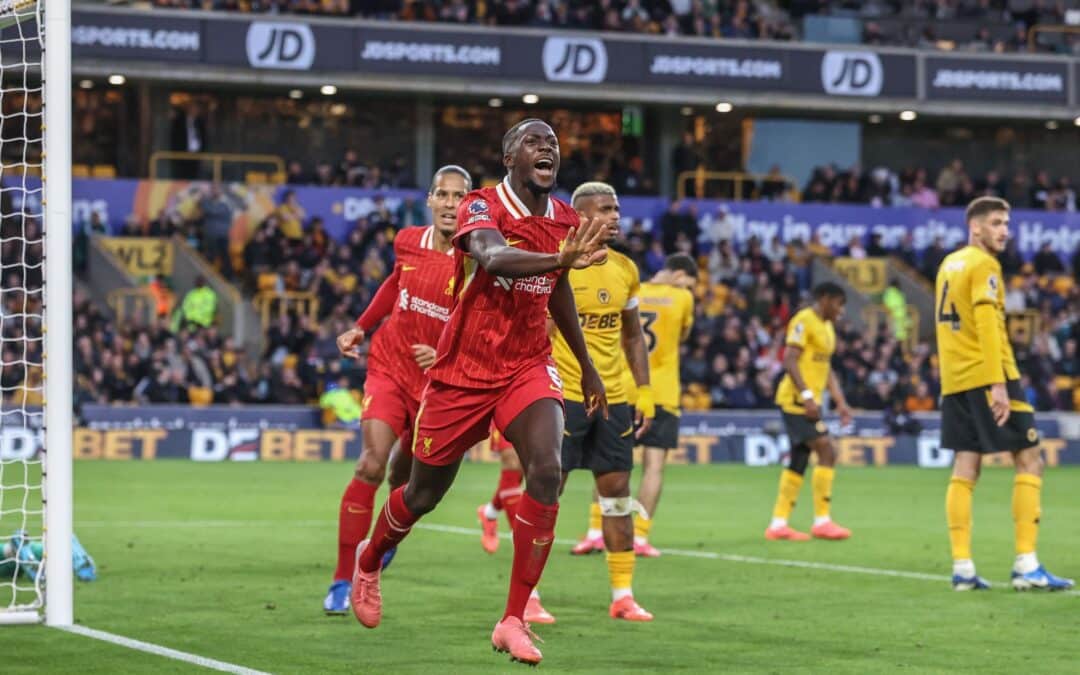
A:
158, 650
453, 529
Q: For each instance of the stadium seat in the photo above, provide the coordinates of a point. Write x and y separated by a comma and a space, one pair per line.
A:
256, 178
290, 361
200, 396
80, 171
267, 281
1076, 398
103, 171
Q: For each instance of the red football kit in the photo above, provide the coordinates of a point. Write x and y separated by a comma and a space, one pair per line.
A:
494, 356
417, 295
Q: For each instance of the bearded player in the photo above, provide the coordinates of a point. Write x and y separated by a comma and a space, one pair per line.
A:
606, 296
667, 315
514, 242
983, 408
417, 297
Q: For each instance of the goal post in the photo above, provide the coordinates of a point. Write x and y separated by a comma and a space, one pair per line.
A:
36, 323
58, 366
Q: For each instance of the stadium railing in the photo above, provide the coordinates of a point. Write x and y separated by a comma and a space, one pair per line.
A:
133, 304
738, 179
1039, 29
217, 162
271, 304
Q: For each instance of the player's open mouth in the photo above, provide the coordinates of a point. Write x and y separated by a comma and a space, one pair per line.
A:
545, 168
448, 218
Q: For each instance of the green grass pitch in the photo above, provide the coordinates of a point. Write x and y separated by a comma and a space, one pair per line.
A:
231, 561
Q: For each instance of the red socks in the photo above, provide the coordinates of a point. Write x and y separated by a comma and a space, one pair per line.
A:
354, 520
508, 494
394, 522
534, 532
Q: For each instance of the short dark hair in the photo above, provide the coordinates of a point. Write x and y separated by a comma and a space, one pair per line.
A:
681, 261
983, 206
452, 168
513, 134
829, 289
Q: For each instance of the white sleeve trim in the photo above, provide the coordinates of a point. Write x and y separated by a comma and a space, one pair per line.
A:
632, 303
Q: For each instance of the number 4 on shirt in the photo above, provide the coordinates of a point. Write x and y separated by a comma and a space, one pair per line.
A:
952, 317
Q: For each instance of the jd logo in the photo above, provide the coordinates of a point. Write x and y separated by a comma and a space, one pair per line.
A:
852, 73
574, 59
280, 45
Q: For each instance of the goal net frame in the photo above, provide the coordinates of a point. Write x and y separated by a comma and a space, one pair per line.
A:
54, 38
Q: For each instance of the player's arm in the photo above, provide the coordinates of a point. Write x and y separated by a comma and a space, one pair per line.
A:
380, 307
984, 298
837, 394
637, 356
584, 246
564, 313
791, 366
688, 319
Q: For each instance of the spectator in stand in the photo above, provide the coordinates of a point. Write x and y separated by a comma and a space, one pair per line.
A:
932, 258
1040, 192
291, 216
895, 303
875, 249
899, 421
855, 249
1047, 261
920, 399
199, 307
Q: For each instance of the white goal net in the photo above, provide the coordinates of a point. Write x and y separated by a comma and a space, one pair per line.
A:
26, 544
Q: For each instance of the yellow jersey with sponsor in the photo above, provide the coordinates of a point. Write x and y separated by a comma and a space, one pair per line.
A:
667, 313
601, 293
966, 279
817, 339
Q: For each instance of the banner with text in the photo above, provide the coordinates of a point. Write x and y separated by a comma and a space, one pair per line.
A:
142, 256
341, 208
288, 433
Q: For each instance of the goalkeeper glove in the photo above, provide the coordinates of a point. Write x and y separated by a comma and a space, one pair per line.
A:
645, 402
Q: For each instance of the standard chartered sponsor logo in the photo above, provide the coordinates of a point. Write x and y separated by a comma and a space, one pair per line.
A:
1005, 80
664, 64
428, 52
135, 38
428, 308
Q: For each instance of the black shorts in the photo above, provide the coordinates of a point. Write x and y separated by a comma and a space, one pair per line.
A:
800, 430
663, 433
597, 444
967, 423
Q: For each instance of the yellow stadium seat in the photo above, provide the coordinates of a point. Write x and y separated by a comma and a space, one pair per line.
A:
80, 171
103, 171
255, 178
290, 361
267, 281
277, 178
1076, 398
1063, 285
200, 396
1063, 382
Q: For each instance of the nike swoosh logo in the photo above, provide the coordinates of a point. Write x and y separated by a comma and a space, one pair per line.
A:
408, 268
358, 511
513, 242
541, 542
565, 433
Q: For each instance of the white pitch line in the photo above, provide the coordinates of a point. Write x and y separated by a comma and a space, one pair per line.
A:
158, 650
454, 529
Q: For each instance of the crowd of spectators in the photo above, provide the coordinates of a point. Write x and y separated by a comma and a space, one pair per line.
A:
977, 25
952, 186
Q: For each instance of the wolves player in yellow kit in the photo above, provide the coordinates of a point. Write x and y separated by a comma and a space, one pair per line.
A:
606, 296
811, 341
667, 314
983, 408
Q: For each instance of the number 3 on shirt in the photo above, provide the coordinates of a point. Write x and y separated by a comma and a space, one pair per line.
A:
647, 320
952, 317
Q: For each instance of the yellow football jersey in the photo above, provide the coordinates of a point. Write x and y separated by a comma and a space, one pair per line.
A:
817, 338
667, 313
967, 278
601, 293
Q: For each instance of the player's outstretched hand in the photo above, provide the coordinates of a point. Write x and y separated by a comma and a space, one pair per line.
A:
813, 410
845, 415
424, 355
999, 403
348, 343
595, 395
585, 245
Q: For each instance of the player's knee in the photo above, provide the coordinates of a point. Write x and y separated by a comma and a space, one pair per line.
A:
614, 507
420, 500
369, 469
800, 457
1030, 462
543, 478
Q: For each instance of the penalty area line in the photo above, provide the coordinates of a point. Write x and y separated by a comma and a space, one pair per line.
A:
158, 650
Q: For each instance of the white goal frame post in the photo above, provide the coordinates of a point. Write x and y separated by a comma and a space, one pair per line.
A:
58, 320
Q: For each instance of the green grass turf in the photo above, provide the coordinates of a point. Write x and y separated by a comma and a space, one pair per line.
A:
231, 561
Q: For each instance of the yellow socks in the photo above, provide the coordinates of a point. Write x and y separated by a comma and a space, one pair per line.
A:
642, 527
958, 513
790, 484
1025, 507
595, 520
821, 482
620, 572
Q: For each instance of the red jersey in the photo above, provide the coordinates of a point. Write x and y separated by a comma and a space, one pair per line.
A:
497, 326
425, 293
